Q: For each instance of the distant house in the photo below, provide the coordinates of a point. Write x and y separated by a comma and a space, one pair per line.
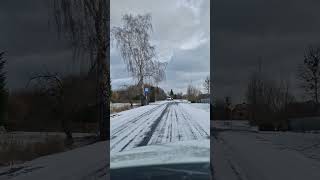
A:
240, 112
204, 98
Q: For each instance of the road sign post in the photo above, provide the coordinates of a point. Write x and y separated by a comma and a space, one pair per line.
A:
146, 92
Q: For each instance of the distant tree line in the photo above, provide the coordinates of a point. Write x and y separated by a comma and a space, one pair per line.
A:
55, 103
131, 94
270, 102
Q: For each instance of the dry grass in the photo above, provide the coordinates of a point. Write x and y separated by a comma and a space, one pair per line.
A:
119, 109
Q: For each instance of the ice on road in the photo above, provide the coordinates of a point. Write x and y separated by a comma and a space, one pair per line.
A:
158, 123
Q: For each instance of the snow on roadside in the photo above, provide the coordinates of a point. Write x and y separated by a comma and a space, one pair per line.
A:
203, 106
89, 162
254, 158
200, 115
307, 144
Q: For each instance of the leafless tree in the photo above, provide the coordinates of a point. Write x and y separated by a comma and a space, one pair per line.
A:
133, 41
130, 92
3, 90
254, 92
309, 73
51, 85
86, 24
277, 96
207, 84
268, 100
192, 93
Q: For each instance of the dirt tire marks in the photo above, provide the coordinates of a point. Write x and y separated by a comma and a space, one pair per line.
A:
140, 124
153, 127
177, 125
124, 127
168, 122
162, 129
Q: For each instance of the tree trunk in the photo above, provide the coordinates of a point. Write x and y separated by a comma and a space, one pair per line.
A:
316, 91
141, 86
66, 123
103, 77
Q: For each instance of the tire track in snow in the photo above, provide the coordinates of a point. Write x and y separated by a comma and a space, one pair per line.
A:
160, 133
124, 127
168, 122
153, 127
135, 127
194, 136
195, 124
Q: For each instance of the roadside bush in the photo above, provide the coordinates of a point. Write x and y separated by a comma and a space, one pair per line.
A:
268, 102
43, 109
119, 109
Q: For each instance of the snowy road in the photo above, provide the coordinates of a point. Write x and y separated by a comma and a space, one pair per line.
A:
158, 123
241, 153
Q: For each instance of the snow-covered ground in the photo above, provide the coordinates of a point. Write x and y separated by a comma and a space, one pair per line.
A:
203, 106
162, 132
158, 123
242, 152
85, 163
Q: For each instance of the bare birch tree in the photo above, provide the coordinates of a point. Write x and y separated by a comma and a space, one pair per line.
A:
133, 41
86, 24
309, 73
192, 93
207, 85
51, 85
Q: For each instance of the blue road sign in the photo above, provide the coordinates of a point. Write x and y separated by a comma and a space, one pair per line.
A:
146, 90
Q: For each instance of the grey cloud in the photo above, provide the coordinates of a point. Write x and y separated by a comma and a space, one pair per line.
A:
275, 31
181, 35
31, 42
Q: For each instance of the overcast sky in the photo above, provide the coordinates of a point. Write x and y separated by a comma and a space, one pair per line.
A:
276, 31
31, 42
181, 35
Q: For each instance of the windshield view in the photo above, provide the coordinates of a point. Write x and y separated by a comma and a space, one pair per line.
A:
160, 120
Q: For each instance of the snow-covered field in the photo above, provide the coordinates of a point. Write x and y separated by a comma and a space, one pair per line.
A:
242, 152
175, 128
158, 123
203, 106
